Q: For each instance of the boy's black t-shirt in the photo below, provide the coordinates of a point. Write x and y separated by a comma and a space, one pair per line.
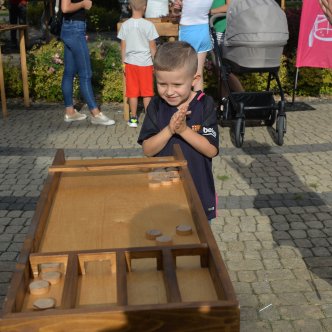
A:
203, 120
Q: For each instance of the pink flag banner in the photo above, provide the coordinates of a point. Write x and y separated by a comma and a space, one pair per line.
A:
315, 38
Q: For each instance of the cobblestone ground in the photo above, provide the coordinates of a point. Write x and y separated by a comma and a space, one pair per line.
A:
274, 228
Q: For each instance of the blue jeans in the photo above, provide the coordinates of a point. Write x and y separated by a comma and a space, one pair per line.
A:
77, 61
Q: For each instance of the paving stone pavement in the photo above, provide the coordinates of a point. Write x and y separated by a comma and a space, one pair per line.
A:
274, 228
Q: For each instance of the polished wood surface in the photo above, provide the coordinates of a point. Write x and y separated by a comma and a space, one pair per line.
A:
113, 209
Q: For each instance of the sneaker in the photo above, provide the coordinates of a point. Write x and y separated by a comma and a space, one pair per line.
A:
102, 119
133, 122
74, 117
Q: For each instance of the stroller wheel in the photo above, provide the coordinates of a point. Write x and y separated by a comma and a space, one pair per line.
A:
239, 132
281, 129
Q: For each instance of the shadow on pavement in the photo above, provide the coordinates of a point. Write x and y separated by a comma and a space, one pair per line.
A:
303, 220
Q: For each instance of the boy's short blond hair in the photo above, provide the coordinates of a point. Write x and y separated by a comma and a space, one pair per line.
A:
137, 4
171, 56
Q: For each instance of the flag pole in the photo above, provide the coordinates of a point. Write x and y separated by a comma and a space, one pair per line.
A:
295, 84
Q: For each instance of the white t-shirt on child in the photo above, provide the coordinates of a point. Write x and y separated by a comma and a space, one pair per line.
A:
138, 33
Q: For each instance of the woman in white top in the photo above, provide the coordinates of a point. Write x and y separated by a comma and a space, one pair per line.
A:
194, 29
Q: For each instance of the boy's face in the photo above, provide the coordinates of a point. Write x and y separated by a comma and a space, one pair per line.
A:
175, 86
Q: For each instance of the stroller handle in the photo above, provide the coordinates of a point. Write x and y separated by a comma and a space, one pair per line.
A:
214, 17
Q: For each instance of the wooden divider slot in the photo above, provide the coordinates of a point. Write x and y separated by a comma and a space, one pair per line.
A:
69, 293
171, 283
36, 260
121, 278
98, 256
97, 284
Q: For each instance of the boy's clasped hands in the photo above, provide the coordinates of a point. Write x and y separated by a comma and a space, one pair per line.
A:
177, 124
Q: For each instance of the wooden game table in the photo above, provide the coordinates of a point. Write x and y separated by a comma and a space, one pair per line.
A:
91, 220
165, 28
22, 29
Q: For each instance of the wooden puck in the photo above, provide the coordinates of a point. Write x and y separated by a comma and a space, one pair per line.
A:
164, 240
154, 184
173, 174
52, 277
166, 182
152, 234
45, 303
170, 169
184, 230
49, 267
39, 287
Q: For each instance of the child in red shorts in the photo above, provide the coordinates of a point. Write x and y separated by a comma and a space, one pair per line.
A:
138, 47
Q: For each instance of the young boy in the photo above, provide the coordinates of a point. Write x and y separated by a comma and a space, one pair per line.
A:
181, 116
138, 47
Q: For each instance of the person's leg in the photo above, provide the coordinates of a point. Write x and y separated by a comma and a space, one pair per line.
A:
13, 16
146, 85
200, 69
235, 83
73, 35
70, 70
69, 73
146, 102
82, 58
22, 14
132, 92
133, 106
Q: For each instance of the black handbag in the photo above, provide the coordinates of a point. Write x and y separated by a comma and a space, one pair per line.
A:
55, 22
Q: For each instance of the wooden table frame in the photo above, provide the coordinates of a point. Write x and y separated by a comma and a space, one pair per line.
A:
215, 316
22, 30
164, 29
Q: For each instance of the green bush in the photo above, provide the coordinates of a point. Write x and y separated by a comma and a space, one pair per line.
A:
112, 79
107, 70
99, 19
34, 14
313, 82
45, 66
13, 79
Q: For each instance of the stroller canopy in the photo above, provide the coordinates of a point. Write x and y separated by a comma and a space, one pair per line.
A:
256, 23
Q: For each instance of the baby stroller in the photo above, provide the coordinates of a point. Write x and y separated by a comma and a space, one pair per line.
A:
255, 35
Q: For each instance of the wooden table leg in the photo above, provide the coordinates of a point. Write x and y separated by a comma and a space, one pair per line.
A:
2, 87
24, 69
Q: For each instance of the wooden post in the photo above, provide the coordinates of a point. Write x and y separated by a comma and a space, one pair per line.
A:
24, 68
283, 4
2, 87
